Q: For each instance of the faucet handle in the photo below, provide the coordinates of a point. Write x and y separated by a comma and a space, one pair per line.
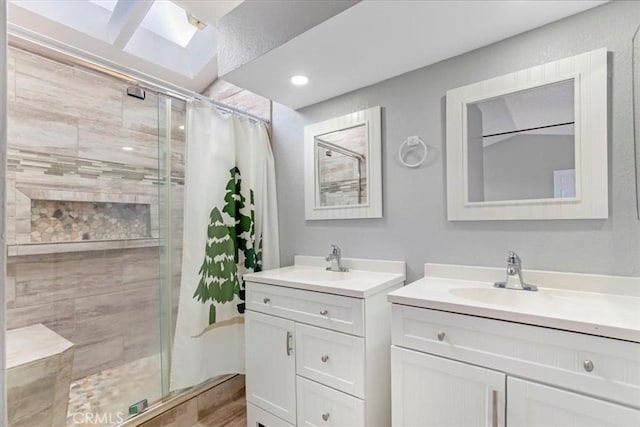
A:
336, 258
513, 258
514, 274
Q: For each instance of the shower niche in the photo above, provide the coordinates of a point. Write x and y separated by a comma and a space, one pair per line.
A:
66, 221
92, 216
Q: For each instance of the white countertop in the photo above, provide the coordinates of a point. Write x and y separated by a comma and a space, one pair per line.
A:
604, 314
360, 281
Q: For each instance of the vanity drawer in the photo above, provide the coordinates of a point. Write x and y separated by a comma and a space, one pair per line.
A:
605, 367
257, 417
323, 406
339, 313
331, 358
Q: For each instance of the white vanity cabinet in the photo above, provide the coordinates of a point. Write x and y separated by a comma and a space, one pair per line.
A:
317, 351
453, 369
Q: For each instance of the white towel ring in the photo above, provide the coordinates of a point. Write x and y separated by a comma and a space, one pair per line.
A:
411, 143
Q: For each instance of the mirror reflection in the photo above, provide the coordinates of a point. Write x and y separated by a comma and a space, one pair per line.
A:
341, 165
522, 145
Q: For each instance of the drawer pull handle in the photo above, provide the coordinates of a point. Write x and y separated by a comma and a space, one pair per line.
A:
324, 358
440, 336
289, 343
266, 300
325, 416
323, 312
588, 365
494, 408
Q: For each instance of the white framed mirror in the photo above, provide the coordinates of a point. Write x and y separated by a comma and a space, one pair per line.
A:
530, 144
343, 167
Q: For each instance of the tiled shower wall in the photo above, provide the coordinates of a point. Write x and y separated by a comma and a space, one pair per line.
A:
344, 177
67, 127
343, 181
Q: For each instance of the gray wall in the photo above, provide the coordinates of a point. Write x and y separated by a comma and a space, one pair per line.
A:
521, 167
241, 32
414, 227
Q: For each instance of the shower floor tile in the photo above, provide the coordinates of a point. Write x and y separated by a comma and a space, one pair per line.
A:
103, 399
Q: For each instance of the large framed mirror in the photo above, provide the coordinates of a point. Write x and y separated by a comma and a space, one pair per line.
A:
343, 173
530, 144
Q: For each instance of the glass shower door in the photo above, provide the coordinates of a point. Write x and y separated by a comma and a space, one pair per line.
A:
85, 236
171, 146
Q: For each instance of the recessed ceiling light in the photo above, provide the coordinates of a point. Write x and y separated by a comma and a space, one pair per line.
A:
127, 148
181, 127
299, 80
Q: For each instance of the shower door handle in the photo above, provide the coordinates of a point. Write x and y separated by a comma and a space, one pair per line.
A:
289, 343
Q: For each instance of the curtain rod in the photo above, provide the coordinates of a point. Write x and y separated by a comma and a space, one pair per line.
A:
334, 147
528, 129
24, 38
228, 108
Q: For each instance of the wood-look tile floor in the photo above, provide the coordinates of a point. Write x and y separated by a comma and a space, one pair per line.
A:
233, 414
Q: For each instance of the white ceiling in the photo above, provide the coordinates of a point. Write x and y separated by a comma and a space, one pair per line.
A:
375, 40
529, 109
367, 43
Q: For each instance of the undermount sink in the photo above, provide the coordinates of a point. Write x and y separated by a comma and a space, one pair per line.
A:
364, 278
505, 297
593, 304
549, 300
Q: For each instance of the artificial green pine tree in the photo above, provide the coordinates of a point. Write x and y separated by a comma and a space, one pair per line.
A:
218, 273
243, 228
234, 202
219, 280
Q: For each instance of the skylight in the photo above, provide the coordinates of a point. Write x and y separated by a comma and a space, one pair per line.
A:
156, 32
168, 21
110, 5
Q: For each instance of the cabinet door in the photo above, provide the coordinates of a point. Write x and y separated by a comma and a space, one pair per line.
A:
428, 390
270, 364
536, 405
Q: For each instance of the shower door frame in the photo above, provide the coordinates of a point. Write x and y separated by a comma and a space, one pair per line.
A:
165, 263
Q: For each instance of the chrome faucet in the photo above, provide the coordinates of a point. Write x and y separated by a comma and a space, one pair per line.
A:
514, 275
335, 257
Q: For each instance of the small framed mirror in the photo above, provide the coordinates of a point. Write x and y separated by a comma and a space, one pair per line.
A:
343, 173
530, 144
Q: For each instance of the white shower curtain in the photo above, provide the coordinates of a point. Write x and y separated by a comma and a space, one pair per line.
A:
230, 227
